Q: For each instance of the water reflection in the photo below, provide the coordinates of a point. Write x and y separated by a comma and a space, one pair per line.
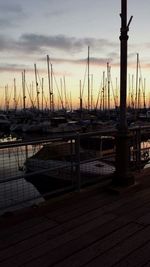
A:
14, 189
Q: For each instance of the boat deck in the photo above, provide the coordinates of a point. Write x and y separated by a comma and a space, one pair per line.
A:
91, 228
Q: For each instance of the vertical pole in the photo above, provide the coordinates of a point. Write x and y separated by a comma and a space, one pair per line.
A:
123, 176
49, 82
23, 88
37, 90
137, 79
88, 78
42, 93
103, 90
123, 65
51, 91
77, 152
15, 101
91, 91
80, 100
108, 88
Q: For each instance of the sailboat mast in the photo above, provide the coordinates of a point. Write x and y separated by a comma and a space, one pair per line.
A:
88, 61
108, 84
23, 89
80, 97
42, 93
103, 90
15, 101
6, 98
144, 102
91, 91
51, 90
37, 91
49, 82
137, 79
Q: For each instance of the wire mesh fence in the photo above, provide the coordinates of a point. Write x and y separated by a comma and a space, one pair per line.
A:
33, 171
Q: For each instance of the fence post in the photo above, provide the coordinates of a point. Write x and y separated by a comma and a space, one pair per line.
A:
77, 153
138, 148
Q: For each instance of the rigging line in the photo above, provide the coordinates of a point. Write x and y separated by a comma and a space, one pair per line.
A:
113, 92
98, 96
58, 90
10, 94
32, 102
142, 86
57, 85
41, 84
39, 79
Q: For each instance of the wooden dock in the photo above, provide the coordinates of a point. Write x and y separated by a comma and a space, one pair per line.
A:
91, 228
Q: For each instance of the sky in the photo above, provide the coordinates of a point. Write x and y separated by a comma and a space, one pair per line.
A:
63, 29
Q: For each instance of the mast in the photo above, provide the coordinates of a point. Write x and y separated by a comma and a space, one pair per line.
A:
61, 93
137, 79
6, 98
139, 95
91, 91
15, 101
132, 94
51, 91
88, 61
49, 82
24, 89
103, 91
80, 98
42, 93
116, 93
144, 102
65, 95
108, 87
37, 90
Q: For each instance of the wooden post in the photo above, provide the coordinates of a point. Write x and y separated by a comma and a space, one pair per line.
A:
123, 176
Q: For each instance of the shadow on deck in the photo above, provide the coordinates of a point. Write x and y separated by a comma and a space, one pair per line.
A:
91, 228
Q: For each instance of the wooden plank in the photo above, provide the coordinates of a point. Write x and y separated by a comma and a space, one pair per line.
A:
133, 204
82, 207
109, 203
71, 251
19, 227
145, 220
99, 200
48, 245
84, 256
122, 204
69, 225
120, 251
139, 257
14, 238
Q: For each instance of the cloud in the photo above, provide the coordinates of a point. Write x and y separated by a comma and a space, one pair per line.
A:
11, 8
94, 61
10, 15
13, 67
35, 42
56, 13
4, 23
7, 44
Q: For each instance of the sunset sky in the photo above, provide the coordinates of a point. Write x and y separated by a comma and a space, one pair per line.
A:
63, 29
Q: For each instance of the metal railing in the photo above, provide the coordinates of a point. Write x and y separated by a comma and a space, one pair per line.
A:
31, 172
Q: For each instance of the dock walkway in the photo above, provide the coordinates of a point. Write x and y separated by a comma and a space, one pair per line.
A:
91, 228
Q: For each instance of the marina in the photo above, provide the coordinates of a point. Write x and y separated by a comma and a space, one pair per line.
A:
74, 147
